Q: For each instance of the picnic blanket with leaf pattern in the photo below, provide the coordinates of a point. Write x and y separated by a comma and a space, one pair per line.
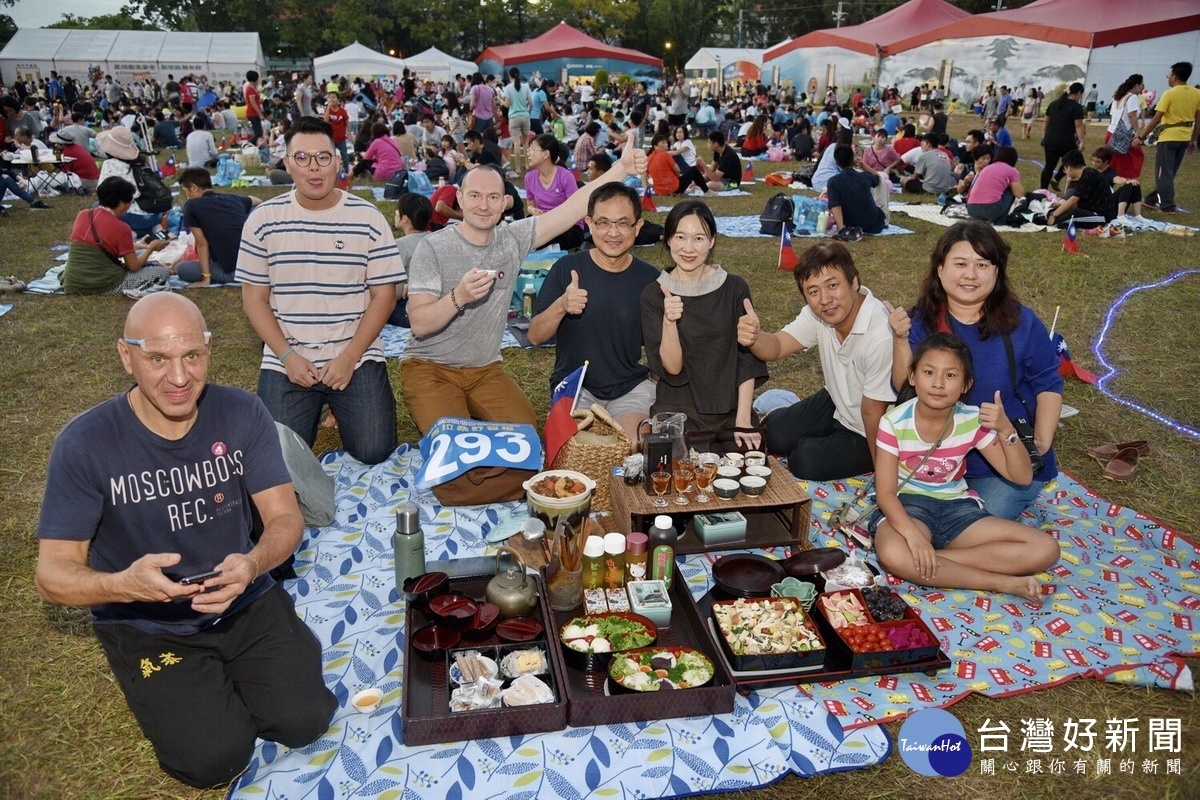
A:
345, 592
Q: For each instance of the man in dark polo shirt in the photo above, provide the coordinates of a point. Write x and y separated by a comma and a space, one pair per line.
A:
215, 221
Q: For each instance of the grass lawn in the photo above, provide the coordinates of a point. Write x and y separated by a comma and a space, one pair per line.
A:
69, 734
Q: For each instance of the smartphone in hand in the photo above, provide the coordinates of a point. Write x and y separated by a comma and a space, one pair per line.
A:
200, 577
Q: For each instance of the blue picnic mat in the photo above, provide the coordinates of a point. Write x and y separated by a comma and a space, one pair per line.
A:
345, 593
746, 227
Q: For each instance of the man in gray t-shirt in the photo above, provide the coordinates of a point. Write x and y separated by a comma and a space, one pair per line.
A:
460, 282
933, 170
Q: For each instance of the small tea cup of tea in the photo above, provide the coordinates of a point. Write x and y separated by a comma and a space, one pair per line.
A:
367, 701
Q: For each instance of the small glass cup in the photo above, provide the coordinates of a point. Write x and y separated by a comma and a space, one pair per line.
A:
706, 470
661, 481
683, 474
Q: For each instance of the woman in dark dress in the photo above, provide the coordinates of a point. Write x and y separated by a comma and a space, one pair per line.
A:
689, 324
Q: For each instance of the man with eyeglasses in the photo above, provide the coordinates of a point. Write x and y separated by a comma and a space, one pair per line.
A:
461, 281
147, 521
590, 302
319, 269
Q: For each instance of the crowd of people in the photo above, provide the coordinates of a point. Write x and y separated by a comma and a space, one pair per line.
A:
155, 533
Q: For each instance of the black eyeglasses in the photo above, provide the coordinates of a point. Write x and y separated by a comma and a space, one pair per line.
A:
323, 158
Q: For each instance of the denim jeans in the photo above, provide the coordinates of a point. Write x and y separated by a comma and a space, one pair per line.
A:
142, 224
10, 183
1167, 160
365, 409
1003, 498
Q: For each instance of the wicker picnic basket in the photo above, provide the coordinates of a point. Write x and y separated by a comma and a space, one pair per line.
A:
597, 447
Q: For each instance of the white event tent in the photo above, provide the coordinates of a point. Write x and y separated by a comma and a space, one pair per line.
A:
359, 61
129, 55
434, 65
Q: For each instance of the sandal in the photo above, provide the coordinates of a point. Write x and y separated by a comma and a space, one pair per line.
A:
1123, 466
1106, 452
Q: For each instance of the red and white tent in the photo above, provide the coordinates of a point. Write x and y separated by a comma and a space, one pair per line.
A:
850, 56
563, 52
1053, 42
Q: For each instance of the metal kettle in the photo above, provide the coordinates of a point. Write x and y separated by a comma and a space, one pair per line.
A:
511, 589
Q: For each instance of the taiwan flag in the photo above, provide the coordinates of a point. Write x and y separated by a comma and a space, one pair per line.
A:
648, 199
343, 179
748, 173
560, 425
787, 254
167, 170
1068, 368
1071, 239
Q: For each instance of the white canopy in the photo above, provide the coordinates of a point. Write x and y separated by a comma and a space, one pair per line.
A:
706, 59
434, 65
357, 60
130, 55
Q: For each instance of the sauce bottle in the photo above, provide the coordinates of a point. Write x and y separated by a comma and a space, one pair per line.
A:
661, 540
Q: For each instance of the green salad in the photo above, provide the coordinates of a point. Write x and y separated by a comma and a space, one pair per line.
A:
606, 634
654, 669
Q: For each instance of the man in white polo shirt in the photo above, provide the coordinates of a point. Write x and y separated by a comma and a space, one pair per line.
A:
830, 434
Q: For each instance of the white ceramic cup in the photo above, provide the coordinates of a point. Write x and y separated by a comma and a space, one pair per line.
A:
367, 701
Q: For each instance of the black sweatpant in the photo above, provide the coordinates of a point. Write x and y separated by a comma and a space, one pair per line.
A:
817, 446
203, 699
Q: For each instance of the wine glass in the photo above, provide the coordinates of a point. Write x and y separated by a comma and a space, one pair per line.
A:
706, 470
660, 481
683, 474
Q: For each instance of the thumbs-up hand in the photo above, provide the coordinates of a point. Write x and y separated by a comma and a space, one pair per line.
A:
575, 299
672, 305
633, 160
992, 416
898, 320
748, 325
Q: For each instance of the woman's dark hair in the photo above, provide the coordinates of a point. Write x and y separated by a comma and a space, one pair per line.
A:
688, 208
515, 74
451, 101
983, 151
1127, 86
417, 208
1001, 308
378, 130
592, 129
949, 343
113, 191
550, 144
1006, 155
398, 129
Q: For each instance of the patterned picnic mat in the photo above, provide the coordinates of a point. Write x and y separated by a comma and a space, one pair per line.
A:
345, 592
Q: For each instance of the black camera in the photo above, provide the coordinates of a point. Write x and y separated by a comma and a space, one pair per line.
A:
1025, 431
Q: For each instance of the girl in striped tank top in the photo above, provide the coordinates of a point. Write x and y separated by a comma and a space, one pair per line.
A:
930, 529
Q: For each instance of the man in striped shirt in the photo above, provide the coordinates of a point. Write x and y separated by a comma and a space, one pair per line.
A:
319, 269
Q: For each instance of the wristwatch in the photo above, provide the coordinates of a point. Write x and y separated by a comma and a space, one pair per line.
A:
1012, 438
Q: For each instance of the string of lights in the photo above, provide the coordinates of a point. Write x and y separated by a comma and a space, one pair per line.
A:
1112, 372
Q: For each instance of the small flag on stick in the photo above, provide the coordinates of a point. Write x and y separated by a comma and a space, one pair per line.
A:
787, 254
